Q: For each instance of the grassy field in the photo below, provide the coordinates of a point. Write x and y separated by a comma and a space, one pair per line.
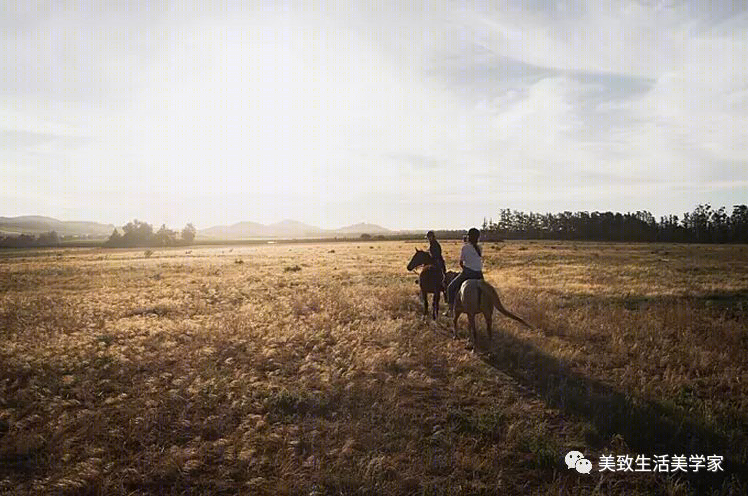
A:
309, 369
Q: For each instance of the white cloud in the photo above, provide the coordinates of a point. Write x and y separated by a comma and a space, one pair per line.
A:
693, 114
623, 37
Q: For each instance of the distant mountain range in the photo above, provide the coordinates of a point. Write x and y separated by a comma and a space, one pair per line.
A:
36, 224
287, 229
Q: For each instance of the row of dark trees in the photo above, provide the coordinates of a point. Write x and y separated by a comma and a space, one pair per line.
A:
50, 238
138, 234
703, 225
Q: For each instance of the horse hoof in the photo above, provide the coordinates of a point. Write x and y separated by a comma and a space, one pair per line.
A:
469, 347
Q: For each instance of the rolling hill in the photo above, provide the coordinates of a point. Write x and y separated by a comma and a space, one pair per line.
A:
287, 229
36, 224
363, 227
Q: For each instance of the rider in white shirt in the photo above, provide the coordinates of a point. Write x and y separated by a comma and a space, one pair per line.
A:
471, 263
470, 258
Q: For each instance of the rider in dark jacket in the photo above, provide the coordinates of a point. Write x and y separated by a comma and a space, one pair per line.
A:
435, 249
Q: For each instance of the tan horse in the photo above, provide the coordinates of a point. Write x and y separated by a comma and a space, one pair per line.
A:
477, 296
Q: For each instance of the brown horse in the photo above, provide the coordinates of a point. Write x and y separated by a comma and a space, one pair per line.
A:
430, 280
477, 296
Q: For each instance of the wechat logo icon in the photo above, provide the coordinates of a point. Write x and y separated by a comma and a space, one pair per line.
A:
576, 460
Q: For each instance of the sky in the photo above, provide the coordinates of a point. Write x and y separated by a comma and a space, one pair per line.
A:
407, 114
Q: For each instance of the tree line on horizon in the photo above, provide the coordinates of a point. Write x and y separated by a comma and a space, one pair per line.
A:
141, 234
703, 225
50, 238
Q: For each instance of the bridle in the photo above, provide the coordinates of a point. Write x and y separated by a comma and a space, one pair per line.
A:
413, 270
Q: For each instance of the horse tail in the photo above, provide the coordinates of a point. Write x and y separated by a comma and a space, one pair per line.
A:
494, 296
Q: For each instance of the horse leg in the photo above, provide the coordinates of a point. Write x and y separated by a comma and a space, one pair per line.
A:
436, 304
488, 315
425, 297
471, 325
457, 313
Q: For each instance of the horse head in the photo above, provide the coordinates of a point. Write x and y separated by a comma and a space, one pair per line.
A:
420, 258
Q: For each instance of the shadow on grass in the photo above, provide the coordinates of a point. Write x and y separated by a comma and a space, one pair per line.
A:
647, 427
735, 300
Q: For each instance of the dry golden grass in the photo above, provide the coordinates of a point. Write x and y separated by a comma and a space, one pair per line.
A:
308, 369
